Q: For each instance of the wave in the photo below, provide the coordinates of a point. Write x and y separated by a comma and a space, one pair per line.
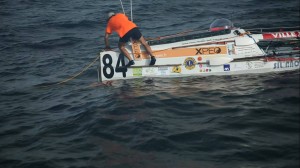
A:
76, 24
54, 43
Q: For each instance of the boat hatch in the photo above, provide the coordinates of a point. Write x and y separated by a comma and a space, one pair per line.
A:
221, 24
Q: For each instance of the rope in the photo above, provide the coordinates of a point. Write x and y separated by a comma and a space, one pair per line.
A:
122, 7
76, 75
131, 10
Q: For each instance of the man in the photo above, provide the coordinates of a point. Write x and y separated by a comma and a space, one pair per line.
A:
126, 29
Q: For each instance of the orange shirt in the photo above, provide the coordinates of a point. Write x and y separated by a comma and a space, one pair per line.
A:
120, 24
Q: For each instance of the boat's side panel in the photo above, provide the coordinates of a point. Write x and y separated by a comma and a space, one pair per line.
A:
176, 55
189, 66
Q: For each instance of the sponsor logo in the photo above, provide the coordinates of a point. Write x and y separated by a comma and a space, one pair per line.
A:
255, 64
149, 71
209, 50
249, 65
226, 67
163, 70
176, 69
189, 63
258, 65
284, 35
136, 50
281, 35
287, 64
137, 72
205, 70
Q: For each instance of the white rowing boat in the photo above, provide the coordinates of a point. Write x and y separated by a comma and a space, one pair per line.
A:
222, 50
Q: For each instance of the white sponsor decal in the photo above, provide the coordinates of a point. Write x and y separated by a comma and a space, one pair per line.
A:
258, 64
255, 64
285, 34
150, 71
163, 71
249, 65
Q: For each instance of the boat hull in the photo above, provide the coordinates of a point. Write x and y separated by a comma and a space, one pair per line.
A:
226, 52
112, 67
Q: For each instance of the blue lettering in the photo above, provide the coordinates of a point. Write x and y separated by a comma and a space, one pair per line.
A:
281, 65
288, 64
275, 65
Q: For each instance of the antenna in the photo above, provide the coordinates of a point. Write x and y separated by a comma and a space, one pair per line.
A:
131, 10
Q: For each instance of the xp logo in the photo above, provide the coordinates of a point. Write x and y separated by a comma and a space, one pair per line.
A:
189, 63
207, 51
226, 67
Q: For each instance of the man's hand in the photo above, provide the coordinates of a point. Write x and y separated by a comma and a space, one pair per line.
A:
107, 48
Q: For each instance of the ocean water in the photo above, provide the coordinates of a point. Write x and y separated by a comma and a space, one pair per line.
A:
240, 121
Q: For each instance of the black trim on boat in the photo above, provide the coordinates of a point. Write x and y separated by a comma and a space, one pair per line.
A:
272, 29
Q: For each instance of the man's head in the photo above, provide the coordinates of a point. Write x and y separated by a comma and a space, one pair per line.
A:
110, 14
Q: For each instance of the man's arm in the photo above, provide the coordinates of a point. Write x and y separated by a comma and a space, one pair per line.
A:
106, 41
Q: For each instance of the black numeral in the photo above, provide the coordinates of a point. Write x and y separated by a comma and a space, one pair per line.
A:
121, 68
107, 65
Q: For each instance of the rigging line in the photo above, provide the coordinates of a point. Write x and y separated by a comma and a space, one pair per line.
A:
122, 7
131, 10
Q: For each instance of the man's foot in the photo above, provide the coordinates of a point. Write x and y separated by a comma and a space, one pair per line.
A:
130, 63
153, 60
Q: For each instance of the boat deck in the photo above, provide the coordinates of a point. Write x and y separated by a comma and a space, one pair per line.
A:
188, 37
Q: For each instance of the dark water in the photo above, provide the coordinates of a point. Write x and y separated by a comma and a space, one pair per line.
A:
244, 121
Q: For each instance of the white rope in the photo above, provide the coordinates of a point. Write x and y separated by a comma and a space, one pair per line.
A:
122, 7
130, 9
